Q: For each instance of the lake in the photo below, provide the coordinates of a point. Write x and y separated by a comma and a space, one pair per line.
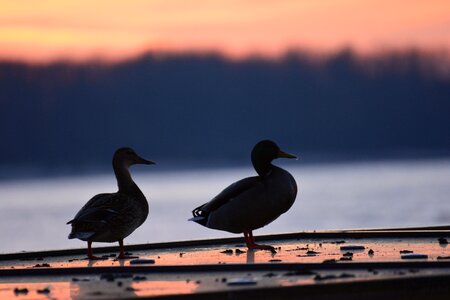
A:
33, 212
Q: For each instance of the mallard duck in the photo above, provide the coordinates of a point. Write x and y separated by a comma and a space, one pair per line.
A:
114, 216
252, 202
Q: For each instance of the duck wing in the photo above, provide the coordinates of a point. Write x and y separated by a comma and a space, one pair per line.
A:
231, 192
101, 208
104, 212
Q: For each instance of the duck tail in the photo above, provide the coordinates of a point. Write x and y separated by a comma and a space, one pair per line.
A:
81, 235
199, 216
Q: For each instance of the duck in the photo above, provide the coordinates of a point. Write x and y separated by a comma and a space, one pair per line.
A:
111, 217
252, 202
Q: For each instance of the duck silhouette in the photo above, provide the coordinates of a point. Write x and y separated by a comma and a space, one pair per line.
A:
112, 217
252, 202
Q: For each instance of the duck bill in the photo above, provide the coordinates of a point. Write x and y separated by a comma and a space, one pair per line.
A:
144, 161
286, 155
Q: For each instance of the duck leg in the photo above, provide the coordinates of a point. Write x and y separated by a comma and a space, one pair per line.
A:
90, 255
250, 240
122, 252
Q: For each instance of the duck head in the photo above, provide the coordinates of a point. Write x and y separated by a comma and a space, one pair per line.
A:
127, 157
263, 153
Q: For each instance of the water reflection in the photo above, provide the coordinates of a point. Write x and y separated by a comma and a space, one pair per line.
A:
36, 291
145, 285
251, 256
93, 287
293, 251
154, 288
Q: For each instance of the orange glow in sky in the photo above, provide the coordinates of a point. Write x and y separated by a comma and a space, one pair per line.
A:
52, 29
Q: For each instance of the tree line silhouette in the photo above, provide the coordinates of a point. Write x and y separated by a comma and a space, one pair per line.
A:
191, 108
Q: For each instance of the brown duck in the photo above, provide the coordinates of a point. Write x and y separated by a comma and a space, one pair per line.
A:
114, 216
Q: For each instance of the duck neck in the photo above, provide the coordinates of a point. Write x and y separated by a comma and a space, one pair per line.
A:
124, 180
262, 167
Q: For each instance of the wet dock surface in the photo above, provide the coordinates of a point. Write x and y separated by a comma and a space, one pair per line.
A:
316, 264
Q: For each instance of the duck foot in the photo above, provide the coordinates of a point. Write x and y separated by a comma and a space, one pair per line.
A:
90, 255
250, 241
122, 252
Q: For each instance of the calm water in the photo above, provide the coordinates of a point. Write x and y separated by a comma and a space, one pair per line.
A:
33, 213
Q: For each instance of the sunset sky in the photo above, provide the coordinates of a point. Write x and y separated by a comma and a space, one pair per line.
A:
40, 31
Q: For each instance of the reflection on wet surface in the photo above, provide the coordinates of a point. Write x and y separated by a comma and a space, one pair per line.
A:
108, 286
310, 251
130, 287
96, 286
37, 290
156, 288
120, 285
